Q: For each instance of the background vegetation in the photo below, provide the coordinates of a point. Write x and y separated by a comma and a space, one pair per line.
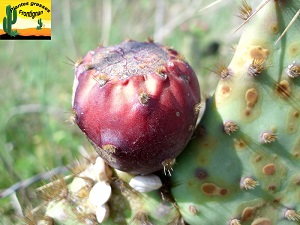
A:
36, 77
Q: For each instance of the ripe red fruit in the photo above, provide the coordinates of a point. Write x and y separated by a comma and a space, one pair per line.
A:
137, 103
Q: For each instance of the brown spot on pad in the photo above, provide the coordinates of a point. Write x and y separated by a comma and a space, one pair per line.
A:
201, 173
213, 190
294, 49
239, 144
251, 98
296, 148
271, 188
248, 213
292, 124
223, 192
225, 89
269, 169
274, 28
209, 189
258, 52
262, 221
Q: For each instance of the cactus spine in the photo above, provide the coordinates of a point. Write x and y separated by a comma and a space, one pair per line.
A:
11, 18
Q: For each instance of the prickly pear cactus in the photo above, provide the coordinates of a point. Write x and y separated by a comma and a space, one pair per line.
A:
242, 166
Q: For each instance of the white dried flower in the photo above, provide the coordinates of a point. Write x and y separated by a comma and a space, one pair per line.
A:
100, 193
145, 183
102, 213
97, 172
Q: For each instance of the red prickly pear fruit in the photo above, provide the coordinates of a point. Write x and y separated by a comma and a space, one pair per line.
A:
137, 103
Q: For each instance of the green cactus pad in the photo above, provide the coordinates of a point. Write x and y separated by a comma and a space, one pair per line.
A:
245, 167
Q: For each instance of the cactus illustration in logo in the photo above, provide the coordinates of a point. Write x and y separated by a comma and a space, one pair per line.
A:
39, 27
11, 18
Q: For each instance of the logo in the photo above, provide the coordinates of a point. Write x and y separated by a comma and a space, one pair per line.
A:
25, 20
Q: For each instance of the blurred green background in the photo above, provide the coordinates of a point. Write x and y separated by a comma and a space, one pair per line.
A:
36, 76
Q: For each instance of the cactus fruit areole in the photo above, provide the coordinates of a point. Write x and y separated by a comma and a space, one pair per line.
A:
137, 103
